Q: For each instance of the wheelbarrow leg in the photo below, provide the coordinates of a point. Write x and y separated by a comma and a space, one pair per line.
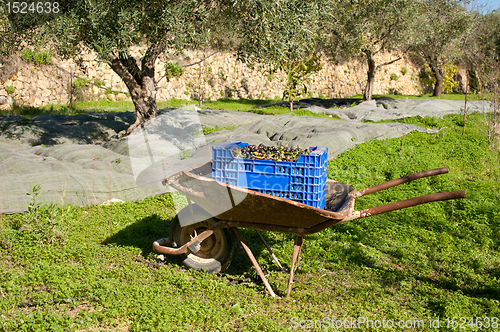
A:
298, 257
254, 262
299, 240
270, 251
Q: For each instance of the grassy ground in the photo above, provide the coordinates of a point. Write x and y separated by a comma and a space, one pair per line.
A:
123, 106
246, 105
81, 268
243, 105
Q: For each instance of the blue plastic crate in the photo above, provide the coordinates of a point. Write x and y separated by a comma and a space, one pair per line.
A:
302, 181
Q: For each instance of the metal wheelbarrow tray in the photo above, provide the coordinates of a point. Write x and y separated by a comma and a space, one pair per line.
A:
212, 240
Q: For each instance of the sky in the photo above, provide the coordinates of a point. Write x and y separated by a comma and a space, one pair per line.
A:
487, 5
494, 3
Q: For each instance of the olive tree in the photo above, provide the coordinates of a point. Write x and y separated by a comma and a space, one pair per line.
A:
111, 28
444, 24
482, 55
364, 29
281, 35
15, 33
16, 29
7, 39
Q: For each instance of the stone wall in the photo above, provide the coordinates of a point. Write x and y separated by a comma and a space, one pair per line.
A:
220, 76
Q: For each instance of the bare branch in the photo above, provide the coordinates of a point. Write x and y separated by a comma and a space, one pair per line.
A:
392, 61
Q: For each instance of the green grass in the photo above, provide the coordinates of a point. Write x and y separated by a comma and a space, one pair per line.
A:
245, 105
434, 260
175, 103
102, 106
208, 129
317, 115
123, 106
237, 104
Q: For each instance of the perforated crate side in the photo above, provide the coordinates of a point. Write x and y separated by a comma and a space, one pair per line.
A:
303, 181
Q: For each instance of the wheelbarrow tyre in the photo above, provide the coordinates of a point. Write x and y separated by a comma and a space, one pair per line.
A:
217, 251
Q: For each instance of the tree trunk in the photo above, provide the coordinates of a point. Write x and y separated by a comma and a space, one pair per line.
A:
144, 100
140, 83
438, 74
372, 70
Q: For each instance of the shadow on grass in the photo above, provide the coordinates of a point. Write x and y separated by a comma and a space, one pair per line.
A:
144, 232
141, 234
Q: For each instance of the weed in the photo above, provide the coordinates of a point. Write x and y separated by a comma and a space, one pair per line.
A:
80, 83
184, 155
42, 221
98, 82
404, 70
173, 69
208, 129
36, 57
394, 77
10, 89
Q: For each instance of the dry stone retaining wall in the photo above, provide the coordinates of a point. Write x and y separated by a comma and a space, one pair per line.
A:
220, 76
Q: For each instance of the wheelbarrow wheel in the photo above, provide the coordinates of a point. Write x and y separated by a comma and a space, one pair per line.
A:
216, 252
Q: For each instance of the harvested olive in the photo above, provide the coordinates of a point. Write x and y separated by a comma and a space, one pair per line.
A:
277, 153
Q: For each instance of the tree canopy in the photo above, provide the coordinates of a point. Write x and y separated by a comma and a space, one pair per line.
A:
110, 28
282, 35
367, 28
443, 23
483, 49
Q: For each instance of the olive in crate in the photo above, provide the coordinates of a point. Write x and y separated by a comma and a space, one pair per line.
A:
276, 153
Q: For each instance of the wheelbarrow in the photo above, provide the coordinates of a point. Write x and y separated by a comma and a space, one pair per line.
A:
210, 244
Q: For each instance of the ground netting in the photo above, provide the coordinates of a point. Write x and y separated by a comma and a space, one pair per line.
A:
79, 159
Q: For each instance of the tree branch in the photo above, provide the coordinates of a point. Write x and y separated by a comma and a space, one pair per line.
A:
117, 65
392, 61
152, 53
191, 64
131, 66
195, 63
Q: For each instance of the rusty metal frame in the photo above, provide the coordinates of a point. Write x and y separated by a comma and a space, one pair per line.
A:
297, 247
347, 214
